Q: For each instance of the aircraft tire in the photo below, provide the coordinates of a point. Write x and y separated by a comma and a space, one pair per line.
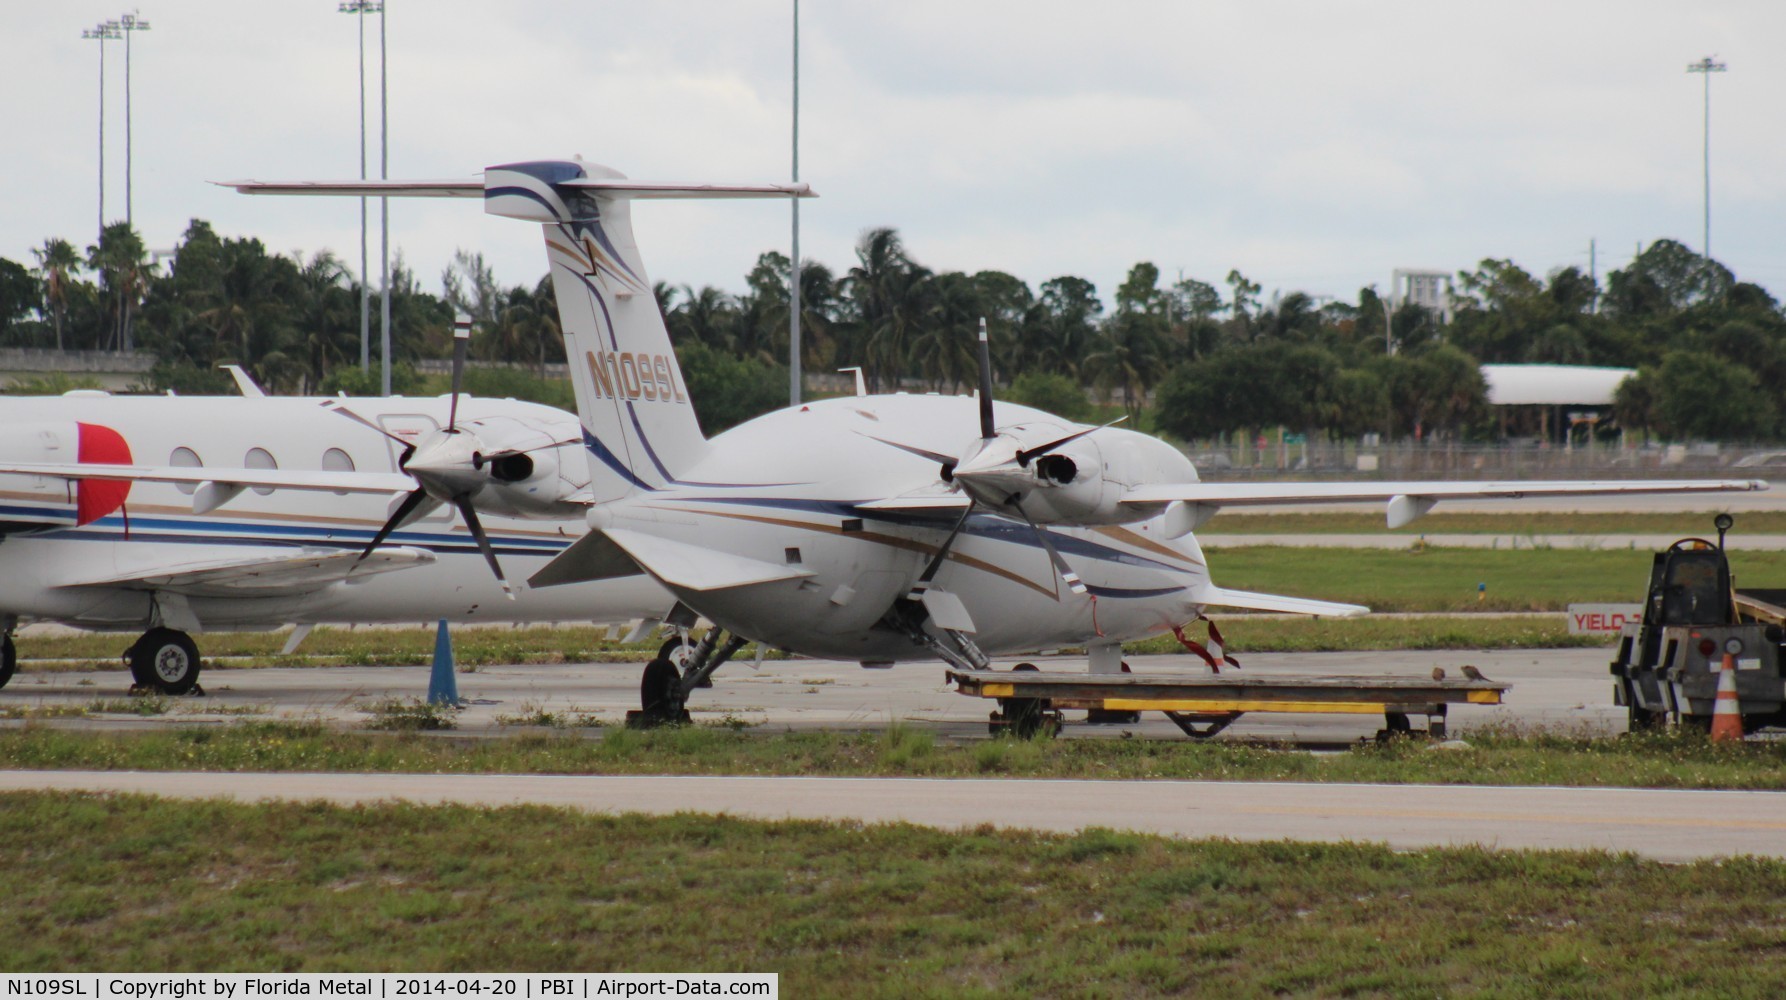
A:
166, 660
679, 651
660, 695
9, 659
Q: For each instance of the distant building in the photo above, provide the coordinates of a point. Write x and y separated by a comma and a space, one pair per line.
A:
1550, 402
1427, 289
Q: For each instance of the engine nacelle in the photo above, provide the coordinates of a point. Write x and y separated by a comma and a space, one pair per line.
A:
46, 503
533, 473
1080, 482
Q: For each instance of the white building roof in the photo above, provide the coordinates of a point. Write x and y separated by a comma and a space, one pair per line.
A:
1552, 385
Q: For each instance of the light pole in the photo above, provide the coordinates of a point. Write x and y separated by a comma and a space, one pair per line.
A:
360, 8
103, 32
384, 212
1707, 67
128, 24
794, 387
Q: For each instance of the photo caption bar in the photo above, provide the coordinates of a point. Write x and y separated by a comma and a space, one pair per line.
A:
389, 985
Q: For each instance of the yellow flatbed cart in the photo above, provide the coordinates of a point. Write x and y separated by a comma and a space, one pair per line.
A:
1030, 701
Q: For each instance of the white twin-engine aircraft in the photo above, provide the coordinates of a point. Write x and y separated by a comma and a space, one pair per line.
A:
875, 528
184, 514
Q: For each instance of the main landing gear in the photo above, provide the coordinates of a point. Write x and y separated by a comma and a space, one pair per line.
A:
666, 685
165, 661
9, 657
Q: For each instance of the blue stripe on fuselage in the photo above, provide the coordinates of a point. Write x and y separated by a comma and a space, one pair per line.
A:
988, 525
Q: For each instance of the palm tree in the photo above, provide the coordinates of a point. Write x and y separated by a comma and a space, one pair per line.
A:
944, 349
705, 317
328, 316
57, 262
1128, 356
888, 289
119, 258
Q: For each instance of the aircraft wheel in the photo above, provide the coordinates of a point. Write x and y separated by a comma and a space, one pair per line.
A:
9, 659
660, 695
165, 659
1025, 667
679, 651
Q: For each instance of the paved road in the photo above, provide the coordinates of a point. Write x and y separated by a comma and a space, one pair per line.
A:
1666, 825
1643, 543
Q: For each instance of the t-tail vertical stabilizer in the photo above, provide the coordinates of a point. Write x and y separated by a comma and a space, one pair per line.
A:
638, 421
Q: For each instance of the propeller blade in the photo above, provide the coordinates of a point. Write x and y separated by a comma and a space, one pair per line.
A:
477, 532
492, 456
986, 428
934, 456
1071, 578
936, 561
1025, 456
461, 340
336, 407
409, 504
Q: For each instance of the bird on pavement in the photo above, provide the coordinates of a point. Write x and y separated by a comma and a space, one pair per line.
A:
1473, 674
1438, 673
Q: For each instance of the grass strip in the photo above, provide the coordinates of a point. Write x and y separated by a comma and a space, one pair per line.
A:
1446, 579
132, 884
1683, 525
1492, 757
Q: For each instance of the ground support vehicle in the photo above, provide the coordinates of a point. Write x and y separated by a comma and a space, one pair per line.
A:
1031, 702
1667, 666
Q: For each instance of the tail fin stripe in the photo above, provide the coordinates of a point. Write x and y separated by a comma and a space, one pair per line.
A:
609, 459
553, 205
650, 452
601, 236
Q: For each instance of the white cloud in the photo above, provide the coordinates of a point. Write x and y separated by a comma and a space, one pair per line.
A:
1310, 143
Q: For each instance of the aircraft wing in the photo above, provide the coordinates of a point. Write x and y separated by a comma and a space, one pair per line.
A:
264, 573
1222, 597
920, 503
682, 565
285, 479
1409, 500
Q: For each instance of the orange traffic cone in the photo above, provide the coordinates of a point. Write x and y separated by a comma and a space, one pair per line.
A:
1727, 709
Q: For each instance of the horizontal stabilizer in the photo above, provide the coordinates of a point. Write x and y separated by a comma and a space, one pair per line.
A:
1244, 600
694, 568
474, 188
592, 557
275, 573
284, 479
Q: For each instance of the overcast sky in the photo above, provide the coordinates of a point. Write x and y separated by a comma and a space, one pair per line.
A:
1314, 144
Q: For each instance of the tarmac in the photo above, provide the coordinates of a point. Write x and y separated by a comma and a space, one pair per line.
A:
1566, 689
1551, 688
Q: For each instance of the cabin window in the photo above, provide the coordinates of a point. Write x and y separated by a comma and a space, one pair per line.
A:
336, 460
185, 458
260, 458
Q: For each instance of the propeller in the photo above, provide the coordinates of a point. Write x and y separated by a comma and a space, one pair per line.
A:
987, 431
1067, 575
1027, 455
1013, 501
449, 465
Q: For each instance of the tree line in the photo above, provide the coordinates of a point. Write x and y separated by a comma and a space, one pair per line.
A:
1196, 359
